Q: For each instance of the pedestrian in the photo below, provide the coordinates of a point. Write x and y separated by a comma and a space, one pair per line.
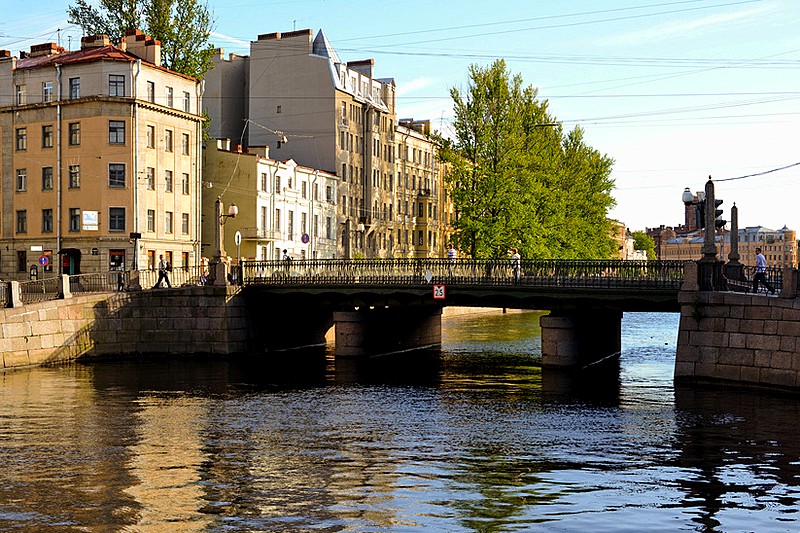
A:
163, 268
120, 280
516, 265
452, 255
761, 273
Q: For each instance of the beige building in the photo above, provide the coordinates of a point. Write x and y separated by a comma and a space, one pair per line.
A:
779, 247
282, 205
100, 154
296, 95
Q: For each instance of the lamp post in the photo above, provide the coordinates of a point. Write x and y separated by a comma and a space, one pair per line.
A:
217, 267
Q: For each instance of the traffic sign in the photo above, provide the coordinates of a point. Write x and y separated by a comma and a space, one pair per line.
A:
438, 291
238, 238
43, 260
305, 238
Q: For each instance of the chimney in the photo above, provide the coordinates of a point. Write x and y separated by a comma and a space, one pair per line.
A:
365, 66
5, 54
95, 41
142, 46
45, 49
224, 144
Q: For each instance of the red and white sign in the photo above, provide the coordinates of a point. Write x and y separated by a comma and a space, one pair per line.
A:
438, 291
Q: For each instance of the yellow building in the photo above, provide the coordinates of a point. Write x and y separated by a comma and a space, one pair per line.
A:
100, 159
779, 247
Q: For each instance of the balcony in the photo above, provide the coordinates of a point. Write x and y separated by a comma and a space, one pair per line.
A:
256, 234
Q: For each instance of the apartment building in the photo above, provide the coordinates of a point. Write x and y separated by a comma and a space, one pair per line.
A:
779, 246
282, 205
100, 159
295, 94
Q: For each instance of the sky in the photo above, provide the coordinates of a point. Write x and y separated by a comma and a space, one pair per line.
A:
672, 91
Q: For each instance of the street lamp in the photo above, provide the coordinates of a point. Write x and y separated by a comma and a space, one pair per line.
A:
217, 274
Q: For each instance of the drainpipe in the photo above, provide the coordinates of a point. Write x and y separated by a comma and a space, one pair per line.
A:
58, 163
134, 119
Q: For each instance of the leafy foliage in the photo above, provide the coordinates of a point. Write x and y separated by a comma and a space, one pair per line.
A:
517, 180
643, 241
183, 27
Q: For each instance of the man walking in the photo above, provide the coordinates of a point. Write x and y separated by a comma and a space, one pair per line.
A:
761, 273
163, 267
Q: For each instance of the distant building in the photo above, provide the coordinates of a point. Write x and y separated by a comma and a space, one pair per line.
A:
100, 154
626, 249
779, 246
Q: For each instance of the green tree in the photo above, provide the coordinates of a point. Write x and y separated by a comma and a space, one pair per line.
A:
183, 28
517, 180
643, 241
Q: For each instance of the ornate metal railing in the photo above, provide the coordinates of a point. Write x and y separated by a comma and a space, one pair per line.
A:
4, 293
539, 273
99, 282
39, 290
178, 277
740, 279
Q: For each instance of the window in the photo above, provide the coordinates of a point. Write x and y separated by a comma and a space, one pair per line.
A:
329, 228
116, 218
47, 91
264, 181
74, 88
278, 219
74, 219
116, 175
420, 209
151, 92
22, 180
168, 181
185, 144
264, 221
168, 140
290, 225
303, 221
277, 184
185, 223
116, 132
47, 178
116, 85
22, 139
150, 176
329, 194
47, 221
168, 222
21, 95
185, 183
151, 136
22, 261
47, 136
151, 220
278, 109
303, 189
74, 133
22, 221
74, 176
187, 101
170, 97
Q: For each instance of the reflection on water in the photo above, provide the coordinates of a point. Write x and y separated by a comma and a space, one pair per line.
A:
476, 437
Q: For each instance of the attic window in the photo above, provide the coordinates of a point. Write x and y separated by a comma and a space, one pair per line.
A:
278, 110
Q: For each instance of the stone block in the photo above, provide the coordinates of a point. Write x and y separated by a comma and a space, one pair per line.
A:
792, 315
737, 356
786, 328
732, 325
752, 326
716, 311
700, 338
688, 323
762, 358
736, 312
763, 342
750, 374
781, 378
709, 354
45, 327
686, 353
684, 369
770, 327
737, 340
788, 344
758, 312
727, 372
19, 329
16, 358
782, 360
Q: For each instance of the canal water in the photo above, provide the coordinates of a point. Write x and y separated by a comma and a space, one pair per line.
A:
478, 438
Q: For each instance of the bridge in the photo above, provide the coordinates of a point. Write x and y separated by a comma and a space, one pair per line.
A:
384, 306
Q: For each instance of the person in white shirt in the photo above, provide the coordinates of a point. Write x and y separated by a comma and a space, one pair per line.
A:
761, 273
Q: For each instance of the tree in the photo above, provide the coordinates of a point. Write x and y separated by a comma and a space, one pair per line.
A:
183, 28
515, 178
643, 241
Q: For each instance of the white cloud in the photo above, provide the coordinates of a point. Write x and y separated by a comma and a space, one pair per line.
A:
231, 40
668, 30
413, 85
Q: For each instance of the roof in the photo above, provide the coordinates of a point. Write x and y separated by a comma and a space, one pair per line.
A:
322, 47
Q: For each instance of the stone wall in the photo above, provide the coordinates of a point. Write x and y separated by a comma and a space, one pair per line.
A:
752, 339
170, 321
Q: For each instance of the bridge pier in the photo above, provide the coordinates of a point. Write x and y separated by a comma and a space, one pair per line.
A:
579, 338
384, 330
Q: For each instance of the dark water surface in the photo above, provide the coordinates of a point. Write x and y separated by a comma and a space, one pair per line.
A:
478, 438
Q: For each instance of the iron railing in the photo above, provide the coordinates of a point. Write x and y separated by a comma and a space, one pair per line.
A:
4, 293
99, 282
740, 279
538, 273
178, 277
40, 290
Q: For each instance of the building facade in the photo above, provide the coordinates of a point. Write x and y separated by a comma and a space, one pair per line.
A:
296, 95
779, 246
282, 205
100, 159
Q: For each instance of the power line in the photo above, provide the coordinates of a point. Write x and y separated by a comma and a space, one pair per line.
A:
760, 173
